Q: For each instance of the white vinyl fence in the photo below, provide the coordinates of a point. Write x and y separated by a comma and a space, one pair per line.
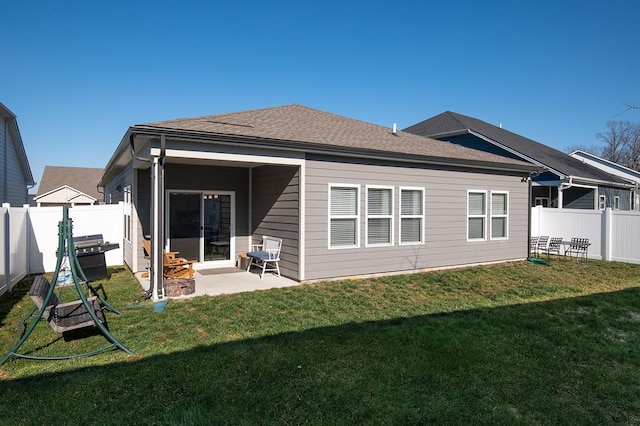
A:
29, 237
613, 234
13, 261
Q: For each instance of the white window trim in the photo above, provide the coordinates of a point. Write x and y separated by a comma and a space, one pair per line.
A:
616, 203
368, 216
602, 202
484, 216
356, 216
506, 216
421, 217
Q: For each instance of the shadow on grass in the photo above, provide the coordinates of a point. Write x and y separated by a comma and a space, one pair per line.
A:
11, 298
564, 361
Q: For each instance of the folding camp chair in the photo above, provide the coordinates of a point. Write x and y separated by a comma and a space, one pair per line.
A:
533, 246
579, 247
542, 244
552, 247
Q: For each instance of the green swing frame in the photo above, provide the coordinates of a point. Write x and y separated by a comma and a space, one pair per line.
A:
82, 313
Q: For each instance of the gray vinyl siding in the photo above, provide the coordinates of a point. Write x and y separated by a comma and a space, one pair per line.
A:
611, 193
579, 198
142, 203
445, 219
13, 185
113, 194
276, 211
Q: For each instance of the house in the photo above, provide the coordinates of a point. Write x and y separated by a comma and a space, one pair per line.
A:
69, 185
630, 175
348, 198
566, 182
15, 172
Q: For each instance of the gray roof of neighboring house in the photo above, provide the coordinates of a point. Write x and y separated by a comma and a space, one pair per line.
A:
83, 179
302, 128
630, 174
450, 124
19, 145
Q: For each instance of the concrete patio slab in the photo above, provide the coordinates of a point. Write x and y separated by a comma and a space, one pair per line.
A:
213, 282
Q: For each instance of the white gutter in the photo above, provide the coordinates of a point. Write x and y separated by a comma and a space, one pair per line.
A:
602, 182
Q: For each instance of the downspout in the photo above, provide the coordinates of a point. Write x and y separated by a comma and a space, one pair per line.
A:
529, 197
156, 259
561, 189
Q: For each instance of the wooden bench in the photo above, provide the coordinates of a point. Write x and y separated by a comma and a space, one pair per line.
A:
64, 317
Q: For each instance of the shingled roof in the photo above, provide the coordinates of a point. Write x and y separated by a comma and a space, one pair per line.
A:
300, 127
83, 179
450, 123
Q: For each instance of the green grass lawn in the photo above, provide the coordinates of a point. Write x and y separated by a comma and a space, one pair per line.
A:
509, 344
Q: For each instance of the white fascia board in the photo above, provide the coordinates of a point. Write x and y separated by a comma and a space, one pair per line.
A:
606, 165
219, 156
53, 191
546, 183
601, 182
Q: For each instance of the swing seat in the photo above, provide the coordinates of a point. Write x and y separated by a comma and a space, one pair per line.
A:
64, 317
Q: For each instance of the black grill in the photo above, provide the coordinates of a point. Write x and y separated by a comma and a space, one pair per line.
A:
90, 251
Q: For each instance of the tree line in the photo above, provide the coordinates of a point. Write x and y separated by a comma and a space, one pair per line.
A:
620, 143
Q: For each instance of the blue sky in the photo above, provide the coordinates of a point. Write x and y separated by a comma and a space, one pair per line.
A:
78, 74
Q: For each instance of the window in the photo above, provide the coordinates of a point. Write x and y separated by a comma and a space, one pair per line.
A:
379, 216
344, 223
616, 203
499, 215
542, 201
411, 215
603, 202
476, 215
127, 213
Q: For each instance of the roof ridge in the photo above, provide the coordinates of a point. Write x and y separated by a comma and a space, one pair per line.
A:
455, 117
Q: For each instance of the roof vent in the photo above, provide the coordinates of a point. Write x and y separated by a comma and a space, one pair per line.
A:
394, 132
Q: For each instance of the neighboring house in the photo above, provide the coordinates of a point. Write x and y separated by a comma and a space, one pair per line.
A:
566, 183
630, 175
69, 185
15, 172
347, 197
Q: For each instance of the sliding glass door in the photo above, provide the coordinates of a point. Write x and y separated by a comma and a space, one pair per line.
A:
217, 227
184, 224
201, 226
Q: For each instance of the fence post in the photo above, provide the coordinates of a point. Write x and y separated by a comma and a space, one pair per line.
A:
7, 247
28, 236
535, 220
605, 237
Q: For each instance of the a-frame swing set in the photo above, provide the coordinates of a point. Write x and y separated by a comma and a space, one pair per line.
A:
88, 311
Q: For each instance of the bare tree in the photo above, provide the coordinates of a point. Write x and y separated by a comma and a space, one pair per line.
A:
591, 149
622, 143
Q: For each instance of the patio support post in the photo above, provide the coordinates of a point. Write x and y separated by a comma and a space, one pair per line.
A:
560, 200
157, 227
